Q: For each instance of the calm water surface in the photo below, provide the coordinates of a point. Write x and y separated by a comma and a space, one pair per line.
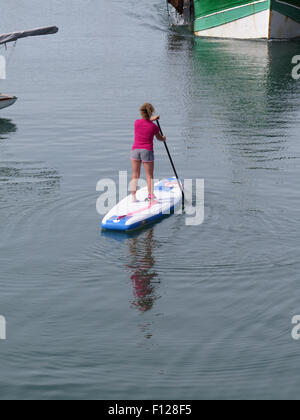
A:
172, 312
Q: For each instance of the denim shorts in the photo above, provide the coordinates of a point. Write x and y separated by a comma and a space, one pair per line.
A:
142, 155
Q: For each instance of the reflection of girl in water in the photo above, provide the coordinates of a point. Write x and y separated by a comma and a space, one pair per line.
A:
142, 271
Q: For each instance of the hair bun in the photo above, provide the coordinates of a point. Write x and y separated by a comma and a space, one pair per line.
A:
147, 110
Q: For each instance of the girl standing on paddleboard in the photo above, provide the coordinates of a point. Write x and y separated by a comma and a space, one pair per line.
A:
143, 150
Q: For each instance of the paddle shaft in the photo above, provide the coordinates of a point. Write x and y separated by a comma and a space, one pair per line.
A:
171, 160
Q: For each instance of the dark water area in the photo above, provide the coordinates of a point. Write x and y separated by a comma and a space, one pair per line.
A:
200, 312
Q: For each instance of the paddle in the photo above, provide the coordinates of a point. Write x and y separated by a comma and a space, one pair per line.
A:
172, 163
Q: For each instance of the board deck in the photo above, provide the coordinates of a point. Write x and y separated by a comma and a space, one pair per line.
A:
127, 215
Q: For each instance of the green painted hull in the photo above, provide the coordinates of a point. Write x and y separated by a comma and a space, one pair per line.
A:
290, 8
237, 16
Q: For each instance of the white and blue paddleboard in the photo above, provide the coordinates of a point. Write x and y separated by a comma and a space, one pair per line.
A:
128, 215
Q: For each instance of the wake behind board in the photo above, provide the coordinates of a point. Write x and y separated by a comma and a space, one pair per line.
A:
127, 215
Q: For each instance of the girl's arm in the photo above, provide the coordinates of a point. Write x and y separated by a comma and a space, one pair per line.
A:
158, 136
161, 138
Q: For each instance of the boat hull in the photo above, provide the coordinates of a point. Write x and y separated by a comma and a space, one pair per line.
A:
243, 19
6, 101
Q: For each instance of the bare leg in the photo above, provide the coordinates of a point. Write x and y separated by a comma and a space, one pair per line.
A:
136, 173
149, 168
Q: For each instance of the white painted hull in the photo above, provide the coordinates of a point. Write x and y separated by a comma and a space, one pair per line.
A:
250, 27
268, 24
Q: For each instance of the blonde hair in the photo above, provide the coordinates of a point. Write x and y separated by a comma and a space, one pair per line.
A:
147, 111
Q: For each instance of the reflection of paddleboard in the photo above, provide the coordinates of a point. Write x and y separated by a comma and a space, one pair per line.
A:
127, 215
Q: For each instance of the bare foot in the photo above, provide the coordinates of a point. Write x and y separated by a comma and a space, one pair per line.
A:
151, 198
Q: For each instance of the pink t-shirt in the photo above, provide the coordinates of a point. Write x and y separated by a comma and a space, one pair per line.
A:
145, 131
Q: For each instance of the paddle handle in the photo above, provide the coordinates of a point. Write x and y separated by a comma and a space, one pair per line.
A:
171, 160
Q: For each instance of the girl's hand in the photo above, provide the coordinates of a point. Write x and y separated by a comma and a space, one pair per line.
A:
161, 138
155, 117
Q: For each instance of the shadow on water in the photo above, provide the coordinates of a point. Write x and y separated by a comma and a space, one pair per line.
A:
6, 127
